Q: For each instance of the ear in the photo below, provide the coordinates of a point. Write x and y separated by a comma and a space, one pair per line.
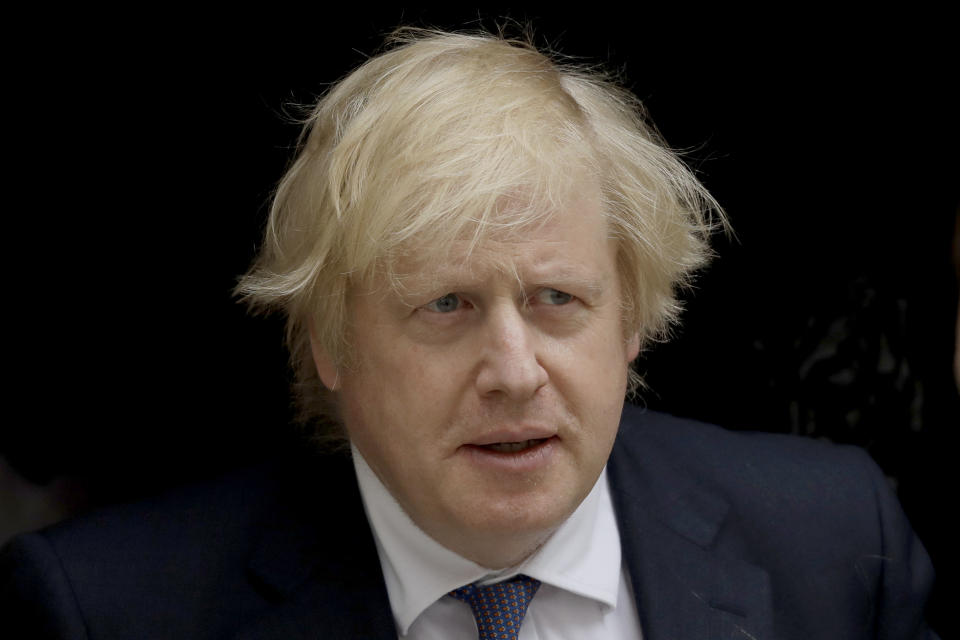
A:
633, 347
326, 368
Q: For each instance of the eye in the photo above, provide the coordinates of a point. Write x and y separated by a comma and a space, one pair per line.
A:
446, 304
553, 297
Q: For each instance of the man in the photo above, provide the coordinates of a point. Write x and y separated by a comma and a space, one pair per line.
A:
471, 247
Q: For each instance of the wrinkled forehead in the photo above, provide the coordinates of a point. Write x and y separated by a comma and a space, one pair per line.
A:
515, 242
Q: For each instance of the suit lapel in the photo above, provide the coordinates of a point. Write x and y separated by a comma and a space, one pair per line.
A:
687, 577
317, 562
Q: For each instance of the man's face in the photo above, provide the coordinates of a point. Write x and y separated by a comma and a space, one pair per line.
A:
487, 394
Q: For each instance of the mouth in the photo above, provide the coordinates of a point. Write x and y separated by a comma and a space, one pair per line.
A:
513, 447
508, 457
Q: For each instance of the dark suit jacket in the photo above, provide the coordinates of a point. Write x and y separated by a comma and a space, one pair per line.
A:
725, 535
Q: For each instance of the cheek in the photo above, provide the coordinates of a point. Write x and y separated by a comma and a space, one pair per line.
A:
398, 396
381, 431
597, 356
598, 378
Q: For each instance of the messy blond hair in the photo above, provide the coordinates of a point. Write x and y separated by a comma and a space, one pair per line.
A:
423, 144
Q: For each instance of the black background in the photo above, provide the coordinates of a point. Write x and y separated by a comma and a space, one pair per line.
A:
146, 147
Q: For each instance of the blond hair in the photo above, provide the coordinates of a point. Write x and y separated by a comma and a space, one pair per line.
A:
423, 145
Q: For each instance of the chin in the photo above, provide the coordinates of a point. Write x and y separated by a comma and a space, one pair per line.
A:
526, 515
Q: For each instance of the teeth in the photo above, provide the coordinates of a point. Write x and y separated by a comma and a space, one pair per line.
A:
512, 447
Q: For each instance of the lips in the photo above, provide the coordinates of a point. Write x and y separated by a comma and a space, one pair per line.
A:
513, 438
513, 447
502, 461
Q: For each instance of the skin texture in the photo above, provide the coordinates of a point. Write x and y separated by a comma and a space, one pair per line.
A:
520, 338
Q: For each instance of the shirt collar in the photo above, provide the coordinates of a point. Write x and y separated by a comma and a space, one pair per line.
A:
582, 556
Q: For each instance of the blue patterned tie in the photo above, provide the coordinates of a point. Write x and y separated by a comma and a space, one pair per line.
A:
499, 608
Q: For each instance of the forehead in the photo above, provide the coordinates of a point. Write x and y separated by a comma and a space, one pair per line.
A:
572, 243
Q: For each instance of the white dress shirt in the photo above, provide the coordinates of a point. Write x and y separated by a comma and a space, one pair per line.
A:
585, 592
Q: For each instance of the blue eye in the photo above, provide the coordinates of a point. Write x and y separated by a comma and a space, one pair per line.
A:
553, 297
446, 304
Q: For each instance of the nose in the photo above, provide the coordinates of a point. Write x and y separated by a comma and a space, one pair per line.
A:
509, 363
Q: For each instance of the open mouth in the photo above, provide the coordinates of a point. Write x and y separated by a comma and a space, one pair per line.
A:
513, 447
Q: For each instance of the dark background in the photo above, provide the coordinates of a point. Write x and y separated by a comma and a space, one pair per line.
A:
147, 147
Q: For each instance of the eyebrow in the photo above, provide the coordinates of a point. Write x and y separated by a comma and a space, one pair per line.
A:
558, 276
565, 275
593, 287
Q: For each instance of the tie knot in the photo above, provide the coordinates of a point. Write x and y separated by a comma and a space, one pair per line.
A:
499, 608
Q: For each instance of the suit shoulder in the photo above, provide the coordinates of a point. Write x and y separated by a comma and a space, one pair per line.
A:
819, 518
214, 507
184, 555
826, 490
203, 561
774, 460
